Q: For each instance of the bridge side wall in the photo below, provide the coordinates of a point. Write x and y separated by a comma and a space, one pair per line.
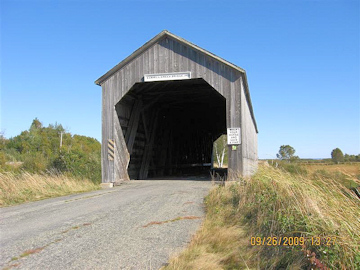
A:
249, 137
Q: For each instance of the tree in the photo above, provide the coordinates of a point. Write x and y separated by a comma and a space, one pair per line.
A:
3, 141
337, 155
36, 124
220, 150
286, 152
38, 149
2, 153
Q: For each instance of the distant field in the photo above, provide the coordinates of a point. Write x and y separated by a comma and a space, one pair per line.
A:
351, 169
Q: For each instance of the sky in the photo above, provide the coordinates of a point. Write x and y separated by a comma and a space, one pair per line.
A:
301, 58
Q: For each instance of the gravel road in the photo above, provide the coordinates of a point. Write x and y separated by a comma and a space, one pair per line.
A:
134, 226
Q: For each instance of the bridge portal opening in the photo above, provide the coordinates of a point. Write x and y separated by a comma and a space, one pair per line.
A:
169, 127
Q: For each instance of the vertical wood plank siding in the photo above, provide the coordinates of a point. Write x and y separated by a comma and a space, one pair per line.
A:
170, 55
249, 137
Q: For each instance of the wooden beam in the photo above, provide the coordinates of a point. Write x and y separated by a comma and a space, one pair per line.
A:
169, 153
163, 151
144, 169
148, 105
133, 125
144, 124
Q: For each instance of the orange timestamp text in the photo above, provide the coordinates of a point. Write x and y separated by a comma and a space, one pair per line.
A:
292, 241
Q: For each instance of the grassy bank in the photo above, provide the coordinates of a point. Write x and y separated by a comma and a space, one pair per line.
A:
26, 187
319, 217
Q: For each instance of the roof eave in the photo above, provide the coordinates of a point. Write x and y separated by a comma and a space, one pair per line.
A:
130, 57
247, 93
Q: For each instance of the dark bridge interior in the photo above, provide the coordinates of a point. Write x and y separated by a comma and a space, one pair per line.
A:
169, 127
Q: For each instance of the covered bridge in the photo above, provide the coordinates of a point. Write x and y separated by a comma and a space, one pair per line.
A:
165, 105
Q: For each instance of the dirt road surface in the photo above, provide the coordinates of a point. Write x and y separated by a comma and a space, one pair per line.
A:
134, 226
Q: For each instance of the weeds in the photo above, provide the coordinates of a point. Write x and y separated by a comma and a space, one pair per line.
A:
301, 206
31, 251
170, 220
25, 187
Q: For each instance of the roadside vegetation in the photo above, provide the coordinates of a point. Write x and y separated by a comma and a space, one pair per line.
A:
315, 213
25, 187
45, 162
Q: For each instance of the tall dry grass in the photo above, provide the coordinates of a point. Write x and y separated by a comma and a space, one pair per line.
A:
25, 187
276, 203
352, 169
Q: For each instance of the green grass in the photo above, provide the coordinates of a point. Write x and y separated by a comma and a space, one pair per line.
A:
276, 203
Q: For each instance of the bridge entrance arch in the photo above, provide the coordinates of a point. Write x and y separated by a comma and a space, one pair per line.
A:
169, 127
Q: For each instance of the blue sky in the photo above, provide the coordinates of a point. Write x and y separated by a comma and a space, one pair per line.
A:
301, 57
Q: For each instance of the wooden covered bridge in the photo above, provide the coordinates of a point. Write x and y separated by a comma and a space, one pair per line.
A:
165, 105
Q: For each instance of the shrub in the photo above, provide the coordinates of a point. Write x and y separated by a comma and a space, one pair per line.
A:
2, 159
34, 162
285, 204
79, 164
293, 168
39, 149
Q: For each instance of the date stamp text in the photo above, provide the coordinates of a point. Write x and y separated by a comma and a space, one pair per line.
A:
292, 241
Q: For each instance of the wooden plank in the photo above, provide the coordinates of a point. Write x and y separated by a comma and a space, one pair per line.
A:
133, 125
144, 169
145, 128
234, 156
107, 129
105, 135
122, 156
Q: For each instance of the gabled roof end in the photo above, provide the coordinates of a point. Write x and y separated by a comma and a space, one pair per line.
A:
152, 42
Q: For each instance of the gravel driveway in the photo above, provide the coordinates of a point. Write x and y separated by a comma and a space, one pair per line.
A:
134, 226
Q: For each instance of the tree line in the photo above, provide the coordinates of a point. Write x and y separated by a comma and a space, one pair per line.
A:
52, 148
287, 152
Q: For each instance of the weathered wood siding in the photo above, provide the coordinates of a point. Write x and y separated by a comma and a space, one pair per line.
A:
249, 137
169, 55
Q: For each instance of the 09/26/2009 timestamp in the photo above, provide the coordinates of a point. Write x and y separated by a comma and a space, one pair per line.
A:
292, 241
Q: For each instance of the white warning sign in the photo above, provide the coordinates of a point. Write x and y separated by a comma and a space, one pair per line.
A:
233, 136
